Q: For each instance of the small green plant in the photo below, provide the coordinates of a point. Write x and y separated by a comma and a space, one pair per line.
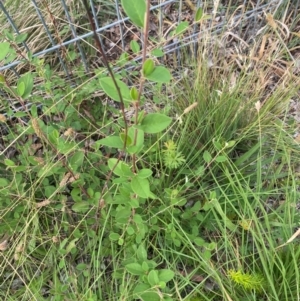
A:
171, 156
121, 199
246, 280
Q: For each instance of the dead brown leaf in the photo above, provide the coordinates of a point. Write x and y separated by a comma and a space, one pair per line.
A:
4, 245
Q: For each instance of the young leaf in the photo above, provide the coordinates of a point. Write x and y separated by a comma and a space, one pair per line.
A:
9, 163
141, 187
199, 14
134, 269
130, 230
159, 75
220, 159
2, 78
81, 266
109, 88
182, 27
76, 160
155, 123
140, 290
128, 139
135, 10
81, 207
145, 266
8, 35
135, 47
4, 49
123, 215
141, 253
114, 236
26, 82
112, 141
134, 93
207, 156
144, 173
165, 275
153, 278
122, 169
230, 143
21, 88
140, 136
21, 38
200, 242
157, 52
3, 182
148, 67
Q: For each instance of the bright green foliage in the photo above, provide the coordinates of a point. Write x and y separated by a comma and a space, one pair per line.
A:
182, 27
148, 67
160, 74
109, 88
246, 280
199, 14
140, 197
4, 49
135, 10
135, 47
155, 123
172, 157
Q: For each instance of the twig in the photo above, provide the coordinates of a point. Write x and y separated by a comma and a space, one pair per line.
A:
105, 60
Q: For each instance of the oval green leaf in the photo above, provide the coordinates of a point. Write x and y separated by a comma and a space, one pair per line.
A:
182, 27
207, 156
165, 275
76, 160
135, 10
155, 123
128, 139
4, 49
26, 84
134, 93
21, 88
159, 75
157, 52
144, 173
2, 78
141, 187
3, 182
199, 14
142, 254
122, 169
114, 236
148, 67
112, 141
153, 278
81, 207
21, 38
134, 46
108, 86
221, 159
134, 269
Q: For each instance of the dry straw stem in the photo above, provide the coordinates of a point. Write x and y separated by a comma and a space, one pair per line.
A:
68, 178
43, 203
4, 243
190, 108
296, 234
36, 128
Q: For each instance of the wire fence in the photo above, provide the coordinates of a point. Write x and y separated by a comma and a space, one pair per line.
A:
55, 27
249, 16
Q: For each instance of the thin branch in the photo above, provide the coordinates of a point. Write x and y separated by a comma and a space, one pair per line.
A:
142, 81
106, 63
111, 73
